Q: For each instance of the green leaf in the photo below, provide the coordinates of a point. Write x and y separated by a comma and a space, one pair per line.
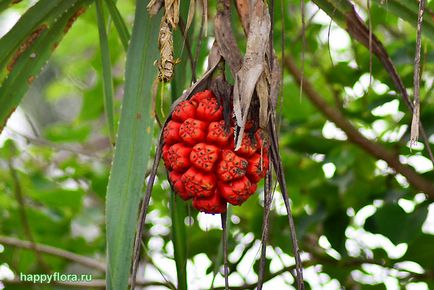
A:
132, 148
334, 228
200, 242
5, 4
177, 208
408, 10
119, 23
401, 8
307, 222
342, 74
181, 75
378, 286
421, 251
43, 13
337, 272
393, 222
178, 214
335, 9
106, 70
33, 58
64, 132
47, 192
218, 261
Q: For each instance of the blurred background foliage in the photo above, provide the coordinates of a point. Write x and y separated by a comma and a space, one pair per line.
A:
360, 225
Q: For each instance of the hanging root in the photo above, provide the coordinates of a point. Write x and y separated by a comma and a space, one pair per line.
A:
268, 198
143, 212
417, 74
277, 163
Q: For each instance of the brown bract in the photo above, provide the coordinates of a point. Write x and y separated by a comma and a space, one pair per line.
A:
249, 76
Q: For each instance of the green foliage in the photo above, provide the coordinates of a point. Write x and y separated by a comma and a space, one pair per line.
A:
359, 222
107, 69
393, 222
39, 33
134, 140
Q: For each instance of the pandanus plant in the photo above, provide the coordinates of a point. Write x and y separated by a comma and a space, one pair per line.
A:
219, 142
218, 138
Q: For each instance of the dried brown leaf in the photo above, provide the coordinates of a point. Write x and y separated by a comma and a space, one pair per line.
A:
225, 38
253, 66
275, 82
205, 14
172, 12
263, 93
154, 6
166, 62
191, 11
203, 83
243, 7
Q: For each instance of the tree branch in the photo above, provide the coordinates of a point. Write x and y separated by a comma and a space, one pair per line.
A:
89, 149
375, 149
356, 27
319, 259
88, 262
85, 261
23, 215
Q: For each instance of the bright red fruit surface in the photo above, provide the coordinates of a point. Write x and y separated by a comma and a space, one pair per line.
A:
199, 154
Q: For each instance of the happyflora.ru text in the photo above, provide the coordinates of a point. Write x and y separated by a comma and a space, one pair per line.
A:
55, 277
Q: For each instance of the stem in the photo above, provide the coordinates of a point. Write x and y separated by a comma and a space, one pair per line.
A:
225, 249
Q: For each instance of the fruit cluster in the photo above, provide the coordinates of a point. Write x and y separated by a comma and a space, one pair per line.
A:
199, 154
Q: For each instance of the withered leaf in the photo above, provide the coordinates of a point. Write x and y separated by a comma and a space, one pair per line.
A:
154, 6
253, 66
165, 44
172, 12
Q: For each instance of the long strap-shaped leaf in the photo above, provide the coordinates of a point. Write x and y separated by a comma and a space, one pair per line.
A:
106, 69
121, 27
178, 208
30, 60
43, 13
5, 4
178, 213
132, 148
